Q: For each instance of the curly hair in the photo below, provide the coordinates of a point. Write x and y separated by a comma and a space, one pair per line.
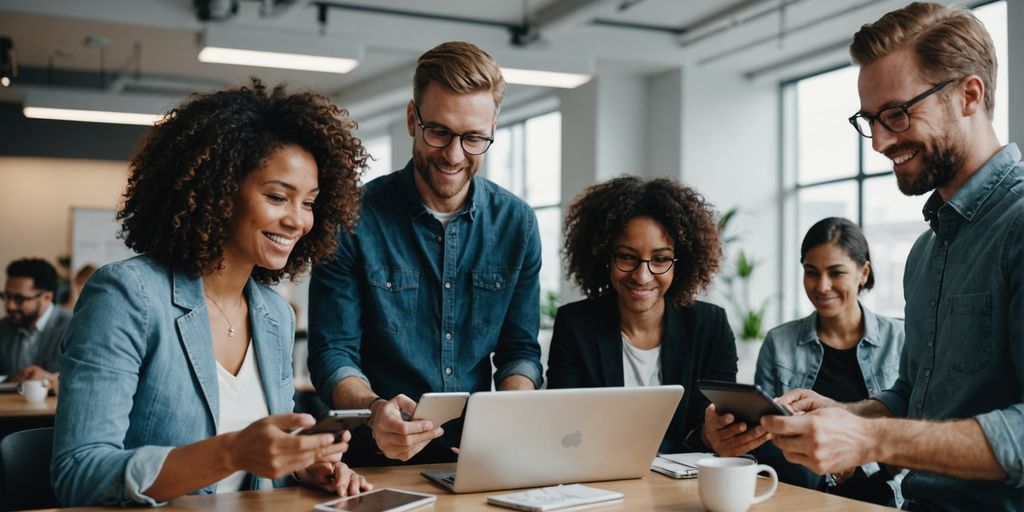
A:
186, 175
598, 216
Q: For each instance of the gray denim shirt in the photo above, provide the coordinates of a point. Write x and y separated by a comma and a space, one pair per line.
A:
791, 354
964, 356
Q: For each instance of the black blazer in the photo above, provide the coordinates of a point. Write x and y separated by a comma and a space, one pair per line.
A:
697, 343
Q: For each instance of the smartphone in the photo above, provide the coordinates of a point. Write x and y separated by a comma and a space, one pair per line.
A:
380, 500
747, 402
337, 422
440, 408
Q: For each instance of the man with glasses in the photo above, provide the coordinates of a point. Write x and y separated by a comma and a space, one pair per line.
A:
926, 88
441, 274
30, 334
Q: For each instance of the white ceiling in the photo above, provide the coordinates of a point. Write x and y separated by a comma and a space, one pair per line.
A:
753, 37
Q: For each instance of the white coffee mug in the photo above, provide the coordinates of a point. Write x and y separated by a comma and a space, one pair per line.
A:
34, 391
727, 484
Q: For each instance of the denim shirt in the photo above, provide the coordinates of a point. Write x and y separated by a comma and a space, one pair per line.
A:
791, 354
413, 307
964, 357
139, 378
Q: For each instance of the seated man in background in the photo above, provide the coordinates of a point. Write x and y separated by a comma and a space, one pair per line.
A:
30, 334
441, 273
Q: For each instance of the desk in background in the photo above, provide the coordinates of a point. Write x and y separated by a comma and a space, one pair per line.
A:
16, 414
653, 492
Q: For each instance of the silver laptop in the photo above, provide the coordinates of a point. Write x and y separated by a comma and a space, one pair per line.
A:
514, 439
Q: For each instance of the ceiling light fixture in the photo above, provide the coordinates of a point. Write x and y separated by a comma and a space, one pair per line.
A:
246, 47
94, 107
530, 67
544, 78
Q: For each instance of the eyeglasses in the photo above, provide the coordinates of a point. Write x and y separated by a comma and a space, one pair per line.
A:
895, 119
18, 300
440, 137
657, 265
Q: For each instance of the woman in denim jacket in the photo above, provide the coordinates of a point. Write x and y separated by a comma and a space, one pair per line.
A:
177, 368
842, 350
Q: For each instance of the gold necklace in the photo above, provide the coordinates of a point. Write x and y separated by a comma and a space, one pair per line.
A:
231, 325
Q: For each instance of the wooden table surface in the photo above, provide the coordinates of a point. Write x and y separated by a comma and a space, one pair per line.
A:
653, 492
14, 405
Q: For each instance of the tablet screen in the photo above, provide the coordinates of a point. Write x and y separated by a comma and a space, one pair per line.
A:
377, 501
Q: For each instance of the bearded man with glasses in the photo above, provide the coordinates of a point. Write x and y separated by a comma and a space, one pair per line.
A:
31, 332
441, 274
955, 416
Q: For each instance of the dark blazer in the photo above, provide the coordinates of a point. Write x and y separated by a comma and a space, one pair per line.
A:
697, 343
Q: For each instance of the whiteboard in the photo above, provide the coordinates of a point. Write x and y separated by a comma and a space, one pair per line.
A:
94, 238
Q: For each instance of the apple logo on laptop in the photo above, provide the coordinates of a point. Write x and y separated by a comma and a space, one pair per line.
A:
572, 440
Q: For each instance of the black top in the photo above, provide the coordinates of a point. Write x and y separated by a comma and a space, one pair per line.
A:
839, 377
697, 343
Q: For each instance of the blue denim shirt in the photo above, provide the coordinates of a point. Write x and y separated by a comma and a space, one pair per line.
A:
412, 307
964, 357
791, 354
139, 378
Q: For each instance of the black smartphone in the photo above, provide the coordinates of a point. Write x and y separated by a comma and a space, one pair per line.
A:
337, 422
747, 402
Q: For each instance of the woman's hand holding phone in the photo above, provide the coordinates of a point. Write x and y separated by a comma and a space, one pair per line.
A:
266, 448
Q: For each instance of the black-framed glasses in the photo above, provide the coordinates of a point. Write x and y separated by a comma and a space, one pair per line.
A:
440, 137
17, 299
657, 265
895, 119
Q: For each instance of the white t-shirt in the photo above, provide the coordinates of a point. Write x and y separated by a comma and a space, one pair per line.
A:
640, 367
443, 218
242, 401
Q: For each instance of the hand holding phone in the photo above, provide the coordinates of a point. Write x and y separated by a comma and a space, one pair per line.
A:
440, 408
337, 422
747, 402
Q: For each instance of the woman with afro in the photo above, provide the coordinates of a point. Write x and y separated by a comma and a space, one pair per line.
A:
641, 251
177, 370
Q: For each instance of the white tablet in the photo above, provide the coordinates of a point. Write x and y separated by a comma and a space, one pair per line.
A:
380, 500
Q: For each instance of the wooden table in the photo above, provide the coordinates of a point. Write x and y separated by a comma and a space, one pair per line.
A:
16, 414
653, 492
14, 405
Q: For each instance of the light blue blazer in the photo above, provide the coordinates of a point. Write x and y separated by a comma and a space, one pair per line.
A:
139, 378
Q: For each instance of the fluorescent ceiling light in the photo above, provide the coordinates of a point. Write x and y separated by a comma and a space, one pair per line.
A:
94, 106
544, 78
91, 116
269, 49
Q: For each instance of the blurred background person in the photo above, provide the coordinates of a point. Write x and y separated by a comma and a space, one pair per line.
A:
30, 334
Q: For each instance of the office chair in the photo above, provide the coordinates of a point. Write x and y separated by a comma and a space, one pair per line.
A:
26, 469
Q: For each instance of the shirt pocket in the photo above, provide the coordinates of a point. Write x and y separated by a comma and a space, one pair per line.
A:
492, 292
393, 292
969, 325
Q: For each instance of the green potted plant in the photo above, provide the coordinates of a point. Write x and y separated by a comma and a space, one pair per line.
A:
749, 317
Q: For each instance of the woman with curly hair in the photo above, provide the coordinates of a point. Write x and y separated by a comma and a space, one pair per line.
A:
641, 250
177, 373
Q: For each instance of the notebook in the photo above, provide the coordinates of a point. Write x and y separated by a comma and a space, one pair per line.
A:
515, 439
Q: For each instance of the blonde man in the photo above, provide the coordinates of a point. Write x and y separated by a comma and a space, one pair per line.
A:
441, 273
954, 416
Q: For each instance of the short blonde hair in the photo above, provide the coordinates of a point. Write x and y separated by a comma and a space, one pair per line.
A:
949, 43
460, 66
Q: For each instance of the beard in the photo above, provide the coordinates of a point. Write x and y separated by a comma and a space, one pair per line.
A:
19, 318
427, 167
938, 164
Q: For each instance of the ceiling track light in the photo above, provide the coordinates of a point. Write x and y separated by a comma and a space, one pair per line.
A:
8, 62
223, 44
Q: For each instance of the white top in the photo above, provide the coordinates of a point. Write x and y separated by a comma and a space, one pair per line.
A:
443, 218
242, 401
640, 367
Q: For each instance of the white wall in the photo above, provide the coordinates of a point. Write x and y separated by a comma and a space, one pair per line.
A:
37, 197
731, 155
1015, 44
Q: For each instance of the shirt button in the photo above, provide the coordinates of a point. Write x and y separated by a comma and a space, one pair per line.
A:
440, 238
388, 284
933, 303
497, 286
448, 336
447, 284
448, 371
930, 343
927, 372
945, 243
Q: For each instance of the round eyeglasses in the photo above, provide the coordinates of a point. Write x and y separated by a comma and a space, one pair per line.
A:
895, 119
657, 265
440, 137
